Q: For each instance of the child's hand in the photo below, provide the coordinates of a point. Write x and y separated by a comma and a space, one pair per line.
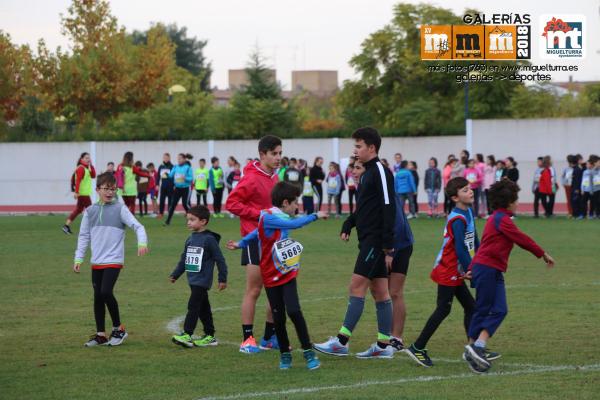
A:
222, 286
172, 279
468, 275
76, 267
345, 237
231, 245
548, 260
322, 215
142, 251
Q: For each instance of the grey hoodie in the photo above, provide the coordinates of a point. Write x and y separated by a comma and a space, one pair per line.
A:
103, 226
200, 253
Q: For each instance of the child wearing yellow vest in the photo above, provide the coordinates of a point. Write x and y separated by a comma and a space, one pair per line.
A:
82, 189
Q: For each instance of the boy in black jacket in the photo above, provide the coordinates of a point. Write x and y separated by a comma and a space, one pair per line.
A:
200, 253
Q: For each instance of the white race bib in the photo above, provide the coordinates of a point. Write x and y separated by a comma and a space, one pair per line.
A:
193, 258
293, 176
286, 254
165, 173
332, 183
350, 181
596, 179
470, 243
179, 178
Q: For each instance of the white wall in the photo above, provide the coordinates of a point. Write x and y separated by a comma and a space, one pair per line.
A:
527, 139
39, 173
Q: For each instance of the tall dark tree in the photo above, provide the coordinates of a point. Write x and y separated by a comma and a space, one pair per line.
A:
261, 84
189, 52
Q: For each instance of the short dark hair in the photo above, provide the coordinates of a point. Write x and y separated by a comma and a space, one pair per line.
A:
403, 163
203, 160
201, 212
106, 178
435, 161
454, 185
110, 163
284, 191
268, 143
503, 193
368, 135
214, 160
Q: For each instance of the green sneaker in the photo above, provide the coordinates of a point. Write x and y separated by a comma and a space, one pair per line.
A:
184, 340
206, 340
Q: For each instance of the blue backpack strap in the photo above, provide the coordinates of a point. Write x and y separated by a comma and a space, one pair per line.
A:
497, 219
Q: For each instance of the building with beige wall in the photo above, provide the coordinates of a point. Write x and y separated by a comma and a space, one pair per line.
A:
238, 78
320, 83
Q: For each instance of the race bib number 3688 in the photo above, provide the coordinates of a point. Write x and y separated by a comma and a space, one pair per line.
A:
193, 258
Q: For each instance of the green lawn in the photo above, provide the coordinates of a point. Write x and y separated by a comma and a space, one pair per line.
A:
46, 316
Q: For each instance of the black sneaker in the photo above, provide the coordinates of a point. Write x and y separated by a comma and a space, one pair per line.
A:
420, 356
67, 229
477, 354
397, 344
473, 365
491, 355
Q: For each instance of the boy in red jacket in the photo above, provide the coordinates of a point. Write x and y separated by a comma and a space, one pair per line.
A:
487, 269
279, 264
249, 197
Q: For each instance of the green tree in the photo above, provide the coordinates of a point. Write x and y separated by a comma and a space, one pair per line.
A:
15, 76
189, 52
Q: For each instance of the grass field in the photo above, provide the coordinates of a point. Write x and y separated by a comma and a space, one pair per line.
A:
549, 340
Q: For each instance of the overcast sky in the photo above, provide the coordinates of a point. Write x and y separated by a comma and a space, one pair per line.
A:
308, 34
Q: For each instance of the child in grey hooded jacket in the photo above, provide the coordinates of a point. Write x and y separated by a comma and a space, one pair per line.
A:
200, 253
103, 227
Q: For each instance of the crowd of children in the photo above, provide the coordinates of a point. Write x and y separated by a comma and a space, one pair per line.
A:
265, 198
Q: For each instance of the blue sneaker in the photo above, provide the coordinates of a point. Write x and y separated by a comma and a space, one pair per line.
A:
332, 347
285, 361
248, 346
271, 344
312, 361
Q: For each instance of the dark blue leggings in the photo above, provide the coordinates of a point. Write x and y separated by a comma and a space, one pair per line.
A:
490, 300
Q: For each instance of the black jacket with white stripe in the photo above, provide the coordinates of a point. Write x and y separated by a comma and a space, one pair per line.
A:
375, 207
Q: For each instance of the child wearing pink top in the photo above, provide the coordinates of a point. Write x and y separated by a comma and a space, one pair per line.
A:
472, 174
446, 175
489, 178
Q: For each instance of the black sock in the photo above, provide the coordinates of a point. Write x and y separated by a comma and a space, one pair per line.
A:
382, 345
343, 339
247, 331
269, 330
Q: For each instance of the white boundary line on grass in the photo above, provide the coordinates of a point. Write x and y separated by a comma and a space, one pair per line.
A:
360, 385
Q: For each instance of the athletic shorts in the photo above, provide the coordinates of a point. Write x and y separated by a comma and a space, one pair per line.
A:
152, 194
370, 262
401, 260
251, 254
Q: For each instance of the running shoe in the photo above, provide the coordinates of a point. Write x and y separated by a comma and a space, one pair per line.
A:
473, 365
312, 361
206, 340
285, 361
117, 336
377, 352
332, 347
270, 344
489, 355
249, 346
67, 229
477, 354
184, 340
96, 340
420, 356
397, 344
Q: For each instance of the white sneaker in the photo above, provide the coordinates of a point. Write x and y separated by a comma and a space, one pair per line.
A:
377, 352
117, 337
332, 347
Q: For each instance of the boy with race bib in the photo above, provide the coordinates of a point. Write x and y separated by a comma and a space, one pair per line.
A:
451, 264
279, 264
198, 259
